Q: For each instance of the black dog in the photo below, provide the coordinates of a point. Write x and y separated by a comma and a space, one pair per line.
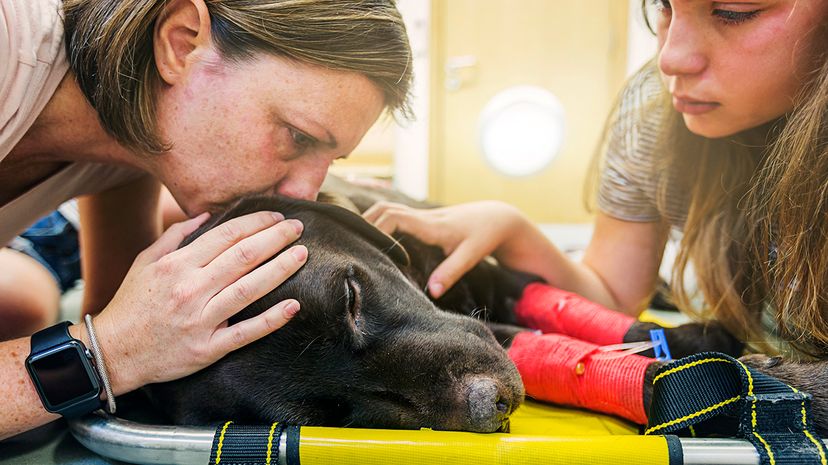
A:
369, 348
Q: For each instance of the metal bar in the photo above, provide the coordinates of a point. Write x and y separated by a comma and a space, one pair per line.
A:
132, 442
718, 451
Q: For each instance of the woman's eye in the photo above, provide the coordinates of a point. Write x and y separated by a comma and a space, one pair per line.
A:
301, 140
735, 17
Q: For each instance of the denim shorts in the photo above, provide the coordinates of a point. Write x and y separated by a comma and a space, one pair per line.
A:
53, 242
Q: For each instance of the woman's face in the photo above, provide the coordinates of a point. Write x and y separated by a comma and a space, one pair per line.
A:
262, 125
734, 65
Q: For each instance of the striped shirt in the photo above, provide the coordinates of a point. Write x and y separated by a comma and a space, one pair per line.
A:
629, 180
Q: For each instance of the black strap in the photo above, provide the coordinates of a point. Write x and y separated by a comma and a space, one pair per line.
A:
249, 445
714, 394
50, 337
674, 450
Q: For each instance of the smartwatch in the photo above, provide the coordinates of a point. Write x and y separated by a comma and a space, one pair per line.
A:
63, 374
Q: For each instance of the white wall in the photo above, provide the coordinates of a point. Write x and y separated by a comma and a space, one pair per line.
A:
641, 43
412, 138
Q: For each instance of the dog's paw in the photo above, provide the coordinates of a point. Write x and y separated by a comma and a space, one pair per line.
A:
693, 338
762, 362
690, 338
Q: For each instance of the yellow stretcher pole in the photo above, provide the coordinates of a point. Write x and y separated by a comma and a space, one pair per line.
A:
346, 446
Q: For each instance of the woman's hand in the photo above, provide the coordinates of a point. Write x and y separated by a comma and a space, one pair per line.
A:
169, 317
467, 233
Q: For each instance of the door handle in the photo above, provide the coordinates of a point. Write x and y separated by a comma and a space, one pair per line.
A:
455, 67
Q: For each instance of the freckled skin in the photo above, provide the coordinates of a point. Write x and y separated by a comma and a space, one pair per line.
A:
752, 69
234, 121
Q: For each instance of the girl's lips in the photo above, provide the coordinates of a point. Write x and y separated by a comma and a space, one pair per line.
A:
693, 107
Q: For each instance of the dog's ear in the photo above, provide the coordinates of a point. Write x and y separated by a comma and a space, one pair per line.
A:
357, 223
339, 200
349, 218
239, 207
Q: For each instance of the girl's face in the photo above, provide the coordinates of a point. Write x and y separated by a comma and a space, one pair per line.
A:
734, 65
262, 125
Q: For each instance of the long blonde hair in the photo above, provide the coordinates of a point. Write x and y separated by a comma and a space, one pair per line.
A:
109, 44
756, 230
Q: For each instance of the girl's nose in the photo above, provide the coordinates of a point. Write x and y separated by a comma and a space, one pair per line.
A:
683, 50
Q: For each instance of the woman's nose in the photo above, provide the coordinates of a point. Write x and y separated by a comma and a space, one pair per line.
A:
299, 190
305, 183
683, 50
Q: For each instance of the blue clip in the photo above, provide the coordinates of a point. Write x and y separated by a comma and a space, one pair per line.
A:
662, 351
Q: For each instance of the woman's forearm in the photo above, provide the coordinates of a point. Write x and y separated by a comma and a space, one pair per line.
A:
530, 251
22, 408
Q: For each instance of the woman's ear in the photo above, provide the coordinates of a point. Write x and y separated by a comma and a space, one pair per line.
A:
181, 34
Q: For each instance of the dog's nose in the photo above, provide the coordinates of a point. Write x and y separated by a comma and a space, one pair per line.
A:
489, 405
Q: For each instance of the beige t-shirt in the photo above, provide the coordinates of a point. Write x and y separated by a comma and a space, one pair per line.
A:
32, 64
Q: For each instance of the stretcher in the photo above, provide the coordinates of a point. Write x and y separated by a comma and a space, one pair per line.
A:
540, 434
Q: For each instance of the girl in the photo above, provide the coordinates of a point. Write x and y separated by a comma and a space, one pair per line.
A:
723, 136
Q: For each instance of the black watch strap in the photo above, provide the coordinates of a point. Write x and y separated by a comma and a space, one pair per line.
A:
54, 336
51, 336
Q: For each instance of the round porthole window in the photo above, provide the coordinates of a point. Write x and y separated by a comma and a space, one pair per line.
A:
522, 130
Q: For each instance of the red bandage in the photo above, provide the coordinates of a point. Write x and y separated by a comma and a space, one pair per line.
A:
555, 311
566, 371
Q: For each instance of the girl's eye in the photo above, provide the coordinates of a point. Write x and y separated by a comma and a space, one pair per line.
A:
726, 16
662, 5
735, 17
661, 12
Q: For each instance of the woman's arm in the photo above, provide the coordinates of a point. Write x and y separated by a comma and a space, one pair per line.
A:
168, 318
624, 257
22, 409
619, 270
116, 226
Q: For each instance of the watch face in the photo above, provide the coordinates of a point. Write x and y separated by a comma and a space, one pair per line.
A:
63, 375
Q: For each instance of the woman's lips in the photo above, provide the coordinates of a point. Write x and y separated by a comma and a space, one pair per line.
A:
693, 107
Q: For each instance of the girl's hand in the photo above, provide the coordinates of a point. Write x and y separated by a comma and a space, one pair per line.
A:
169, 317
467, 233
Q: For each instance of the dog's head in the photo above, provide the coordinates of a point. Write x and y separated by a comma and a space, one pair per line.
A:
367, 348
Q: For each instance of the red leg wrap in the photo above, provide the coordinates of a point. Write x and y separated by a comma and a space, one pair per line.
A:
567, 371
555, 311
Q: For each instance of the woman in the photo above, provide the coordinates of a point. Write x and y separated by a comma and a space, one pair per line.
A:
214, 99
725, 137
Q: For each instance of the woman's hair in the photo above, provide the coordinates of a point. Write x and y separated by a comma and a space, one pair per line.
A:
109, 44
756, 230
788, 216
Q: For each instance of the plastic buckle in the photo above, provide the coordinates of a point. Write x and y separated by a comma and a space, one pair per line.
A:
660, 347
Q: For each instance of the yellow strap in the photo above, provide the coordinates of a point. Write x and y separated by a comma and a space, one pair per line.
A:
691, 364
221, 441
692, 415
767, 448
270, 441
